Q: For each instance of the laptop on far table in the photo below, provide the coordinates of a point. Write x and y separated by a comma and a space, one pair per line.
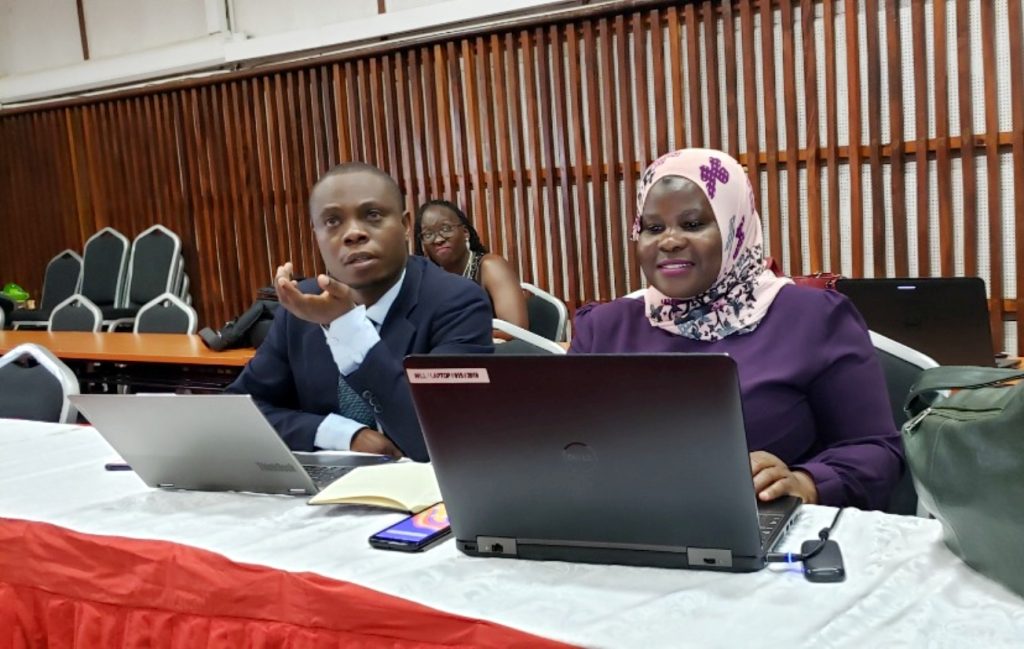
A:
945, 318
219, 442
630, 459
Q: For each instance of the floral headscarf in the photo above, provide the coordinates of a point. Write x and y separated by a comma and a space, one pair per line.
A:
744, 288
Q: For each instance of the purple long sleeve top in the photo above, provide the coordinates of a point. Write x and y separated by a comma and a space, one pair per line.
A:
813, 390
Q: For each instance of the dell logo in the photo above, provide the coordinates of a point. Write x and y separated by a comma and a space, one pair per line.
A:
580, 457
276, 466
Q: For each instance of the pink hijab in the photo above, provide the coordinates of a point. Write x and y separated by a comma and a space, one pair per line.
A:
744, 289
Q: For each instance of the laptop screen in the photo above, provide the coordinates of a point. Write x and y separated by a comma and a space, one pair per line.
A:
946, 318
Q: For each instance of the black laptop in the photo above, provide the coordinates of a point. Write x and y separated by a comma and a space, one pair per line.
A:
629, 459
945, 318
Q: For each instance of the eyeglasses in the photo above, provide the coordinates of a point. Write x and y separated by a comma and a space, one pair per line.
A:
445, 231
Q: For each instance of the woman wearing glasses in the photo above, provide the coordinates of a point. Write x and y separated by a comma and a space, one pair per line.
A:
447, 238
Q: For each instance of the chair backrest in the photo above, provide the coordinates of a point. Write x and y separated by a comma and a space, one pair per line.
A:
166, 314
36, 390
183, 291
519, 347
548, 315
103, 267
153, 267
63, 279
518, 333
6, 306
902, 366
77, 313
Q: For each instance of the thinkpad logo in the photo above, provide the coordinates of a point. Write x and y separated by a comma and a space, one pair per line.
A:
275, 466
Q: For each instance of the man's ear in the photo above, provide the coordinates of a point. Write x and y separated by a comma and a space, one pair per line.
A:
407, 223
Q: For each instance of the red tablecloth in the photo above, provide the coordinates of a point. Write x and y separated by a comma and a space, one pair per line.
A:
60, 588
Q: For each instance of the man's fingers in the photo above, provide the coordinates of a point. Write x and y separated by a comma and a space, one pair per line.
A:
284, 283
368, 440
287, 291
333, 287
284, 271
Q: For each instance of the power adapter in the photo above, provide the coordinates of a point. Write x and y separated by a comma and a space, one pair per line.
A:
825, 565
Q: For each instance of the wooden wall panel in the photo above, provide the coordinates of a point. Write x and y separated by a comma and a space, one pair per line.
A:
992, 168
814, 214
853, 93
539, 131
896, 136
1016, 21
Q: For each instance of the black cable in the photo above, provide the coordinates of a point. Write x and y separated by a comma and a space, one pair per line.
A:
793, 557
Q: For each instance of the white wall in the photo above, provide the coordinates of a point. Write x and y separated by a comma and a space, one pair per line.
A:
266, 18
38, 35
118, 27
138, 40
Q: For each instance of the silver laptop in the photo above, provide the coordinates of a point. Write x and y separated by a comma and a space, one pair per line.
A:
219, 442
632, 459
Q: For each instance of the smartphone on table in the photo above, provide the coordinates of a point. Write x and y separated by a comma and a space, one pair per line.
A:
415, 533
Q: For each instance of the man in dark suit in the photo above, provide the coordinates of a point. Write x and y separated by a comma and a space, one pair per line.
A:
329, 374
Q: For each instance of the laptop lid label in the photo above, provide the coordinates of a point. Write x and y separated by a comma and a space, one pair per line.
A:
446, 375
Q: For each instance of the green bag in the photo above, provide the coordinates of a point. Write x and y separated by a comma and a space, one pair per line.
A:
15, 292
965, 451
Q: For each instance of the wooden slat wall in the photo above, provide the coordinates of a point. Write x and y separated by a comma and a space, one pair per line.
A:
540, 132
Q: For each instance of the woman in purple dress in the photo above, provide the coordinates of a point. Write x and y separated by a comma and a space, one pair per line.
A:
814, 398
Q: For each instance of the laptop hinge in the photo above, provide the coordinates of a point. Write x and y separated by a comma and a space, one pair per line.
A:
709, 557
166, 485
300, 490
499, 545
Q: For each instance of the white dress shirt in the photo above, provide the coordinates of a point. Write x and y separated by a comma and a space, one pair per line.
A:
350, 338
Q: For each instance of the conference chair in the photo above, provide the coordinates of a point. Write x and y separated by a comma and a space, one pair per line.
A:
77, 313
6, 307
184, 287
63, 279
153, 270
902, 366
524, 336
548, 315
166, 314
35, 384
104, 268
519, 347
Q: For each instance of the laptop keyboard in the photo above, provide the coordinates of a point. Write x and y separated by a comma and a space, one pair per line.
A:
325, 475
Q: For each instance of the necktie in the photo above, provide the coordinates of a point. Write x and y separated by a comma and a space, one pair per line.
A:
353, 406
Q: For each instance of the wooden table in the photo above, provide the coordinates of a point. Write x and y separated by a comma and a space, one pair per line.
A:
153, 360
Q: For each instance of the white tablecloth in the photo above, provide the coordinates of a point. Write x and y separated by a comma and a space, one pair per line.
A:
904, 588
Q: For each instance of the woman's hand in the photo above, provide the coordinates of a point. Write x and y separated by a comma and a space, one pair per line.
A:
773, 479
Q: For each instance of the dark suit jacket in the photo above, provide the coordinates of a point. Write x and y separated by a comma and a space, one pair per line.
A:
294, 380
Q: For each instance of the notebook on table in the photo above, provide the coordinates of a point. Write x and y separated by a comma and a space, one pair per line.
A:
218, 442
945, 318
404, 486
630, 459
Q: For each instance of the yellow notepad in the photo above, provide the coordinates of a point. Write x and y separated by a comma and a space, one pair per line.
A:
404, 486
